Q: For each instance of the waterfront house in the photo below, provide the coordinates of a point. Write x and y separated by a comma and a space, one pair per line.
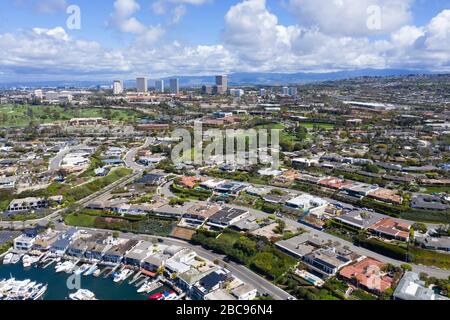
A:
45, 241
77, 248
116, 253
23, 243
137, 255
60, 246
154, 262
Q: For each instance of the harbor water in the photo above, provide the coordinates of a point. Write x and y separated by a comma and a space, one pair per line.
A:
103, 288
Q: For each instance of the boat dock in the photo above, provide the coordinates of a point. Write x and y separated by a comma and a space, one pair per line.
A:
48, 264
112, 271
140, 283
136, 277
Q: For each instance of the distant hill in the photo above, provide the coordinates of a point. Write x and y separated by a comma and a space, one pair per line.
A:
236, 79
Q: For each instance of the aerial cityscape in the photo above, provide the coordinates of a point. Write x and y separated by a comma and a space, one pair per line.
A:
284, 154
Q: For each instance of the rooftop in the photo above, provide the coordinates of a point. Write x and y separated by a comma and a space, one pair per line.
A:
360, 218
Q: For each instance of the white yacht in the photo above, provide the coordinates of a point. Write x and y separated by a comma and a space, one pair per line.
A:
39, 291
26, 260
82, 294
145, 288
123, 275
15, 258
13, 289
64, 267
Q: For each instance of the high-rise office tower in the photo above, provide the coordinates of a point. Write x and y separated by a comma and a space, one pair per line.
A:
293, 91
222, 83
141, 85
285, 91
174, 86
118, 87
159, 85
262, 92
207, 89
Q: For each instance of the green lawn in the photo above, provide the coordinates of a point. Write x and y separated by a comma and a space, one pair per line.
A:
80, 220
311, 125
22, 115
430, 257
274, 126
437, 189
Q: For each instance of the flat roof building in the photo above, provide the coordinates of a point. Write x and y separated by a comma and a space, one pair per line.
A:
359, 218
226, 217
411, 287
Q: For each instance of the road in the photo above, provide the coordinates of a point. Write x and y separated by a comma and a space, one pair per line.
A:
55, 216
55, 162
131, 156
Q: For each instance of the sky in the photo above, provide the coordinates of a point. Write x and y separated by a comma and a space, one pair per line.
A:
122, 39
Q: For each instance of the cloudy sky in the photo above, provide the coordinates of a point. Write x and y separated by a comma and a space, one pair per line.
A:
39, 40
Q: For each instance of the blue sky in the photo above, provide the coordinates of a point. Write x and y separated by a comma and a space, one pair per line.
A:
125, 38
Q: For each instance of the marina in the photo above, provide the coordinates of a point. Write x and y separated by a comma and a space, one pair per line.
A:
43, 275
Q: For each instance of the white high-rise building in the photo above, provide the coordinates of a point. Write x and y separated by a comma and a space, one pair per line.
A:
285, 91
118, 87
175, 86
141, 85
38, 94
159, 86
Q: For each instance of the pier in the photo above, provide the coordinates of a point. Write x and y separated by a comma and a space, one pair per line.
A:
136, 277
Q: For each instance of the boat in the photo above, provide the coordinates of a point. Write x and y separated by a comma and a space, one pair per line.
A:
13, 289
82, 269
7, 259
91, 270
97, 273
82, 294
26, 260
64, 267
170, 295
39, 292
122, 275
145, 288
157, 296
15, 258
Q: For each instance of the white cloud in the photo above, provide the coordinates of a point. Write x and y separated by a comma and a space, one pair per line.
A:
353, 17
44, 6
177, 8
253, 40
254, 33
178, 12
51, 6
122, 16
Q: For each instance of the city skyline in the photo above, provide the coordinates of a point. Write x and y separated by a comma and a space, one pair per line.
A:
126, 38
